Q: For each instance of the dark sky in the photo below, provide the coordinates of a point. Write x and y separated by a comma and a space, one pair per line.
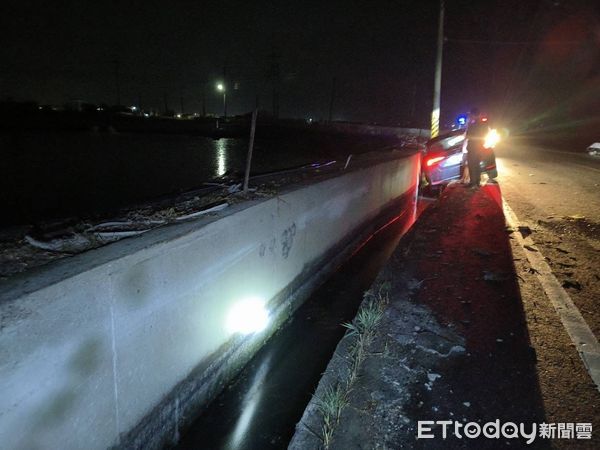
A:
382, 54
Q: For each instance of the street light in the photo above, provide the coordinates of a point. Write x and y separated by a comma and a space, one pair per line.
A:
221, 88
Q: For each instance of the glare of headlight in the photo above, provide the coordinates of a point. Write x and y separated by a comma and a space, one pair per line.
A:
247, 316
491, 139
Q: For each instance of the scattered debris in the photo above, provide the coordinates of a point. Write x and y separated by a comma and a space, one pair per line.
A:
433, 376
524, 230
234, 188
414, 284
204, 211
73, 243
494, 276
467, 404
530, 248
571, 284
574, 217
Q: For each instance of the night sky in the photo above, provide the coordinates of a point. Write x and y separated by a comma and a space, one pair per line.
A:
511, 58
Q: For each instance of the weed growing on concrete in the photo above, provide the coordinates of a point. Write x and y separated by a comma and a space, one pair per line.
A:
331, 405
363, 329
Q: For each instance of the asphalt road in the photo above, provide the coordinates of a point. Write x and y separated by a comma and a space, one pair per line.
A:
555, 194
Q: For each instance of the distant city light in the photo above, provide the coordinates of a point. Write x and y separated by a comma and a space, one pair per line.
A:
134, 108
220, 87
178, 116
248, 316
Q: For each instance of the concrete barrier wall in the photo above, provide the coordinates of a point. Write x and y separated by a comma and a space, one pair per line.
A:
93, 347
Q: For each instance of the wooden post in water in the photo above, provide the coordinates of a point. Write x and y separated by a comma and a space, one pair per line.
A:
250, 148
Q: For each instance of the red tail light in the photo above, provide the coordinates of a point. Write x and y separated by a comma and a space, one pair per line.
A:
430, 162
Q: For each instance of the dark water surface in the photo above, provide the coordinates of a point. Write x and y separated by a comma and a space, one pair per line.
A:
53, 174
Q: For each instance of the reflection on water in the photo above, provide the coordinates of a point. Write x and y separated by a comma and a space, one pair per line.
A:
58, 174
251, 400
221, 161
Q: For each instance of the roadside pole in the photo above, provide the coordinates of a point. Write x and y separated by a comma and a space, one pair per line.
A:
250, 148
437, 87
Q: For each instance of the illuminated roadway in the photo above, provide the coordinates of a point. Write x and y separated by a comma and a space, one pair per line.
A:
555, 194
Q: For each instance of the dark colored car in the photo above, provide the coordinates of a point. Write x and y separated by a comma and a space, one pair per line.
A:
443, 159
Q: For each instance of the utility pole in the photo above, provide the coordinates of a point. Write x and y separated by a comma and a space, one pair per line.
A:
181, 103
166, 104
333, 81
250, 149
437, 88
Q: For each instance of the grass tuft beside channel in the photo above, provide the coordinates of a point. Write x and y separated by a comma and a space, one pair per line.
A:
362, 330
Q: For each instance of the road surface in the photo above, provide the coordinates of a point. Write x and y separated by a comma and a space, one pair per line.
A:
555, 196
558, 195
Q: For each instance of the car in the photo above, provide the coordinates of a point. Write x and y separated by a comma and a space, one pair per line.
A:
444, 158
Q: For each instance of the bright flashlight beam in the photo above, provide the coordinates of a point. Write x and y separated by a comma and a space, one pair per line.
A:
248, 316
491, 139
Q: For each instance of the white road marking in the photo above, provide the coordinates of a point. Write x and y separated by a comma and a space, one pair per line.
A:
581, 335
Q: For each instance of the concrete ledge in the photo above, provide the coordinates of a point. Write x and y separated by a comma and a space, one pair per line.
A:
118, 346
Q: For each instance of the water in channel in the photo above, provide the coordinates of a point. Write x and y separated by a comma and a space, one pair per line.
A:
260, 409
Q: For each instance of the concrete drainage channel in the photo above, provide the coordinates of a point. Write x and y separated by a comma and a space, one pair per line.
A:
262, 406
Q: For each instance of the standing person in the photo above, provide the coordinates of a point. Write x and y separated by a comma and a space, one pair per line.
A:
476, 131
